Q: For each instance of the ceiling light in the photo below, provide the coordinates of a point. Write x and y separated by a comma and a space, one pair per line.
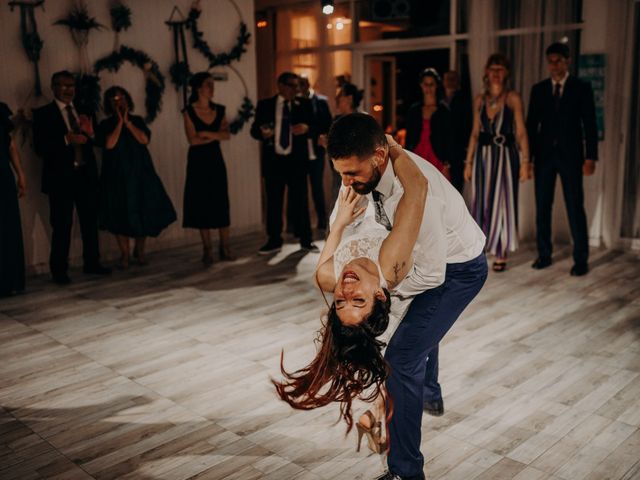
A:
327, 7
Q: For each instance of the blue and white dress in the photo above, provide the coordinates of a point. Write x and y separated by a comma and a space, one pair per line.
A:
495, 182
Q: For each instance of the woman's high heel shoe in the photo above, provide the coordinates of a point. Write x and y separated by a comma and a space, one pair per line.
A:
226, 255
207, 258
373, 433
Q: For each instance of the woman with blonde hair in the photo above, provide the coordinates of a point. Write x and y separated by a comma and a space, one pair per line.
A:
497, 156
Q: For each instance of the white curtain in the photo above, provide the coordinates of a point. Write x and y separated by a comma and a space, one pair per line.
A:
526, 51
482, 40
620, 43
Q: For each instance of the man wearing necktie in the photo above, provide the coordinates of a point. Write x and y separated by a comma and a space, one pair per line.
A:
453, 268
63, 138
283, 124
563, 138
317, 140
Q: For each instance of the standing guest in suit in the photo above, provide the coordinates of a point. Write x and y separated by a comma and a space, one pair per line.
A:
133, 202
564, 140
64, 139
283, 124
459, 106
428, 132
497, 158
11, 246
206, 192
317, 142
348, 99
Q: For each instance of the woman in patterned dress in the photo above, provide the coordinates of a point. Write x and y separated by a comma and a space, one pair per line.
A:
497, 156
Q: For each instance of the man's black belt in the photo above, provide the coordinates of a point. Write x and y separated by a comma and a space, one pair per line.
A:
506, 140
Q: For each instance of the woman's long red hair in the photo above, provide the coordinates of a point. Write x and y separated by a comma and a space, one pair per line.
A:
348, 365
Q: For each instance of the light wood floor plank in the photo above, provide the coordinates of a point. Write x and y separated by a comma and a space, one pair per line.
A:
163, 372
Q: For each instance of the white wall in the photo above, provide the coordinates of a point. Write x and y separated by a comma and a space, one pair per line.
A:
593, 40
219, 21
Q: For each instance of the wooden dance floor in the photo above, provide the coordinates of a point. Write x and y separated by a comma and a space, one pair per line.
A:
162, 372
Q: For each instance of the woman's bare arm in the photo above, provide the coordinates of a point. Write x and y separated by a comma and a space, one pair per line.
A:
473, 138
348, 211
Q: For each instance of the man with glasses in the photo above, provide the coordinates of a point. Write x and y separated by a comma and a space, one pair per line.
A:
63, 138
283, 123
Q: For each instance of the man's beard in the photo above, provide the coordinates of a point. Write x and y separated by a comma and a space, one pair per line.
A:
364, 188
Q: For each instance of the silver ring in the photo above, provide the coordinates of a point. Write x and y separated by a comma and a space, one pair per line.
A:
499, 140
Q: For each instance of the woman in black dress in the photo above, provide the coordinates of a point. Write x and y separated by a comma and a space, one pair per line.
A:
206, 198
133, 202
11, 246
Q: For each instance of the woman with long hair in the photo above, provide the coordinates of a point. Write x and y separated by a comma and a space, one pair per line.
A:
497, 157
361, 265
348, 99
429, 134
206, 197
133, 201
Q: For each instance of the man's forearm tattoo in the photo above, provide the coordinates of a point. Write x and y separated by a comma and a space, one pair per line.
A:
397, 268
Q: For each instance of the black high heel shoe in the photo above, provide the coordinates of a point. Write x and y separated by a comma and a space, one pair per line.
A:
226, 255
207, 258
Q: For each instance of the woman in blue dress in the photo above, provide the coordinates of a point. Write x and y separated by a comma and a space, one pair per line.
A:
497, 157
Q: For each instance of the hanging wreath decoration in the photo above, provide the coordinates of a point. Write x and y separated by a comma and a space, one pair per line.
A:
180, 71
154, 80
80, 24
31, 40
225, 58
246, 110
120, 21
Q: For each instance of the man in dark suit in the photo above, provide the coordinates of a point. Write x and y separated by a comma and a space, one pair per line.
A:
564, 141
461, 116
283, 123
317, 140
62, 137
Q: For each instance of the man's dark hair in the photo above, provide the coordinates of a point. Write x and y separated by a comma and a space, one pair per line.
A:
558, 48
285, 77
60, 75
355, 134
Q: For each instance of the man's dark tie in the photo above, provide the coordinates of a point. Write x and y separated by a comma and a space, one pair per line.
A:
381, 215
556, 95
285, 126
75, 128
73, 121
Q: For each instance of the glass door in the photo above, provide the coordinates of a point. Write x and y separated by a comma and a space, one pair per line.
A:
379, 89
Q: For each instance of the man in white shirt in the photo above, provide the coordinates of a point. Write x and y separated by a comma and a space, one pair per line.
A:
282, 123
453, 269
63, 138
